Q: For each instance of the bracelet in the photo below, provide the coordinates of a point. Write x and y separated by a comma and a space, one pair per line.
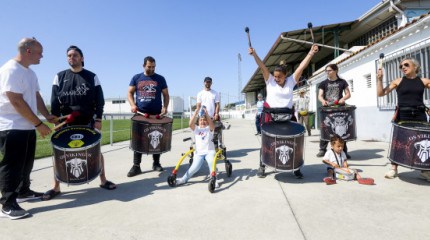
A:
39, 124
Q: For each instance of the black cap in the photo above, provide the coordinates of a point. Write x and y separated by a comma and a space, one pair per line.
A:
72, 47
208, 79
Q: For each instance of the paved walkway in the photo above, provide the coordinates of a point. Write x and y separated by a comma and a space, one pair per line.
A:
244, 207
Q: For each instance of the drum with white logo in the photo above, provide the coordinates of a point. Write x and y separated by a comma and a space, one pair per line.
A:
410, 145
338, 119
282, 145
151, 135
76, 155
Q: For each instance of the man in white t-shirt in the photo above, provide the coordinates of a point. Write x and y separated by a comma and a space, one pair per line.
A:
209, 98
19, 102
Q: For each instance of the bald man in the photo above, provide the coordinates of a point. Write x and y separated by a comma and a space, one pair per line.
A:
19, 102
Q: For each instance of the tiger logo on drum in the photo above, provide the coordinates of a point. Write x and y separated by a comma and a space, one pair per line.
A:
339, 125
424, 150
155, 138
284, 153
75, 166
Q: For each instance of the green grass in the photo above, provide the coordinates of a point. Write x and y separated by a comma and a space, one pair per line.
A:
121, 132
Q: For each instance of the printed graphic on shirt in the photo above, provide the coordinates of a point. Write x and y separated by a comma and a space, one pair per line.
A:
78, 91
332, 93
203, 135
147, 90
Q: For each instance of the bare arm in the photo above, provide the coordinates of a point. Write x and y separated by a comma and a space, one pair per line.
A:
211, 123
21, 106
43, 110
260, 64
346, 97
165, 100
426, 82
130, 98
193, 120
304, 64
216, 117
384, 91
321, 97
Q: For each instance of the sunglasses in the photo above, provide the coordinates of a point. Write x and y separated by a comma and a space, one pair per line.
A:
404, 64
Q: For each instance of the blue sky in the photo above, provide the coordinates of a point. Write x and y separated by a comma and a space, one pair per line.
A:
189, 39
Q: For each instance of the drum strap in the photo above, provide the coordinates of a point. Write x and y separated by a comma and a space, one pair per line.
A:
336, 157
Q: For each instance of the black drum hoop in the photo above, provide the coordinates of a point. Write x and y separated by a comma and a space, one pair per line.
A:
400, 124
283, 136
336, 108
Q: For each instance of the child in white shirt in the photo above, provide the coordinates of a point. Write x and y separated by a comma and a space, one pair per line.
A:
336, 159
205, 148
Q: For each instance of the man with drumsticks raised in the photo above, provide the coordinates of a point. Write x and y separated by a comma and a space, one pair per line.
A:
148, 86
77, 89
19, 102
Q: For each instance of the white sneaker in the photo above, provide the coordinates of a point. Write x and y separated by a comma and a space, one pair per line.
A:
179, 181
425, 175
216, 184
392, 173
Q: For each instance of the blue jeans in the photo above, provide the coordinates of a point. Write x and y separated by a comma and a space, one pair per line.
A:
197, 163
258, 123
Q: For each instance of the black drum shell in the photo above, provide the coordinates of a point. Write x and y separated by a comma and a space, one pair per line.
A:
338, 120
151, 135
282, 145
410, 145
76, 152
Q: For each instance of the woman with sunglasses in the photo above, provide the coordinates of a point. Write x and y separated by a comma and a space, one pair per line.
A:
410, 107
331, 91
279, 88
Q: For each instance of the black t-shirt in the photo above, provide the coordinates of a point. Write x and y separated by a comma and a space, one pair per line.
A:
333, 90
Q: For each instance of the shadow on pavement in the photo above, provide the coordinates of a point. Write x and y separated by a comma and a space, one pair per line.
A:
365, 154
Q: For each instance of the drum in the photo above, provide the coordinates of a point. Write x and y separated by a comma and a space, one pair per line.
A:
410, 145
338, 120
282, 145
151, 135
76, 154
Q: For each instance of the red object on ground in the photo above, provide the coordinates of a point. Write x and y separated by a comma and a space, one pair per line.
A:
157, 116
146, 115
329, 180
336, 102
366, 181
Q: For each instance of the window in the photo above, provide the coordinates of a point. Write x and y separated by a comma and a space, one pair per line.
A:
351, 85
368, 80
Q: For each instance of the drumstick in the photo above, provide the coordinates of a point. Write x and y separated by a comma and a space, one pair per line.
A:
312, 33
249, 39
381, 57
141, 113
69, 119
63, 117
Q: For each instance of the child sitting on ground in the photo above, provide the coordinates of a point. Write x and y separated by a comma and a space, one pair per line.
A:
337, 158
205, 148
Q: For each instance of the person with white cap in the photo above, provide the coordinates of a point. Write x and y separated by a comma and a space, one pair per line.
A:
260, 106
303, 109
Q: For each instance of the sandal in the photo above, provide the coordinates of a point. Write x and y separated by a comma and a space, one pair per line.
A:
50, 195
108, 185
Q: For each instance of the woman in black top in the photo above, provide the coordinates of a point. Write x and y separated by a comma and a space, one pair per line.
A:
410, 90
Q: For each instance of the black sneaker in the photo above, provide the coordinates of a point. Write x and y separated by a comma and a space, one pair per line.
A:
13, 211
29, 195
157, 167
298, 174
135, 170
309, 134
261, 172
321, 153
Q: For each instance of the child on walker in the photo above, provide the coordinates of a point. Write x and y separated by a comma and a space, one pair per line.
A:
205, 148
337, 158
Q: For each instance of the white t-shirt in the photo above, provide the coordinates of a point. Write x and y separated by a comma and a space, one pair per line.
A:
280, 97
303, 104
330, 156
208, 99
204, 137
17, 79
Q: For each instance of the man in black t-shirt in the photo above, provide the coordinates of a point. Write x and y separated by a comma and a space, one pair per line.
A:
77, 89
330, 91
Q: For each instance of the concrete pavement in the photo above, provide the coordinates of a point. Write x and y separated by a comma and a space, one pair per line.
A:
244, 207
